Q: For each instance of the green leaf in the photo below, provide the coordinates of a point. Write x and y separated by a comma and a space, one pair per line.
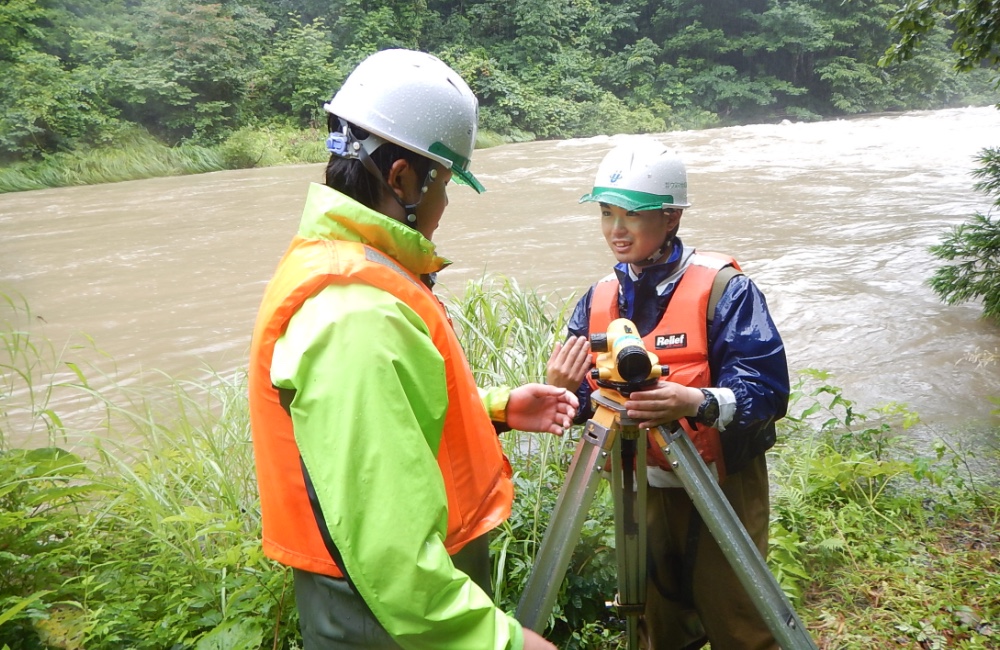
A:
51, 495
232, 635
20, 605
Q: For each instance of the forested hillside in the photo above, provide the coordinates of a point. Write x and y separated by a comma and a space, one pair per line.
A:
76, 74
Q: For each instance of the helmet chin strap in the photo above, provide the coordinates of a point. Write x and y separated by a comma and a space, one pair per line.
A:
668, 243
343, 144
658, 255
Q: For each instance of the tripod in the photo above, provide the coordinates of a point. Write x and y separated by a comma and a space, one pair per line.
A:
612, 433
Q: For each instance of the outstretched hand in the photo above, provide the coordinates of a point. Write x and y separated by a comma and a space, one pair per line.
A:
569, 362
541, 408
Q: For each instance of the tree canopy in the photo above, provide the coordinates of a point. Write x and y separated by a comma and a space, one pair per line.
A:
974, 24
75, 73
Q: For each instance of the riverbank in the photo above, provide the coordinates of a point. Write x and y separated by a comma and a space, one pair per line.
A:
136, 155
144, 531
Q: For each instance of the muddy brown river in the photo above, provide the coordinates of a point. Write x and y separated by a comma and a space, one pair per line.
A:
832, 219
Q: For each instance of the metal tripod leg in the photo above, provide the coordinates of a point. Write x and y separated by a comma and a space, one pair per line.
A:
628, 483
565, 523
733, 540
608, 432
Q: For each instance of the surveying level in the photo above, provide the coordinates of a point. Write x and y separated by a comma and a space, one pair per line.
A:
625, 366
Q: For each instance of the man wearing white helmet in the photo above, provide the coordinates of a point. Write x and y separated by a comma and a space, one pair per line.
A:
727, 384
379, 469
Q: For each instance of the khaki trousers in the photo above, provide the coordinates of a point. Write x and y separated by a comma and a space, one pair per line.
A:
693, 595
332, 616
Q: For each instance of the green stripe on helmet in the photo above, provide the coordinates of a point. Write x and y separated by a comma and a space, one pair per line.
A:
628, 199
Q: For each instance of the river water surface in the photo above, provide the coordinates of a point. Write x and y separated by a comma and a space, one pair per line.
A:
831, 219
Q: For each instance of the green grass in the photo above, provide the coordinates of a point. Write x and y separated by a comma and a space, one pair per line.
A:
882, 546
134, 154
24, 362
142, 531
508, 334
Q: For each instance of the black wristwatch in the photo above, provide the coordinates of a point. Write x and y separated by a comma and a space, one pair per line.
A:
708, 410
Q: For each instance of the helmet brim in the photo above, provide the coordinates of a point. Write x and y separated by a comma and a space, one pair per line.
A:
465, 177
630, 200
458, 164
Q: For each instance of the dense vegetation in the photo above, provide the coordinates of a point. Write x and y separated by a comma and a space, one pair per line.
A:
79, 74
142, 530
972, 247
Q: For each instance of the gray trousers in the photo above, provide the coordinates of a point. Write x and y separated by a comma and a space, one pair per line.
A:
332, 616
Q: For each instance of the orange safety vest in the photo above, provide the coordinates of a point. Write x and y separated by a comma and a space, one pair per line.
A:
477, 474
679, 340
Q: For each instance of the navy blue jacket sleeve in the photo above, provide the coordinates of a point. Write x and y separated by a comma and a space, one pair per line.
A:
747, 356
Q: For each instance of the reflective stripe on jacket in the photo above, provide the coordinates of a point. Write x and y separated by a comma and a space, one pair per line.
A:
477, 476
679, 340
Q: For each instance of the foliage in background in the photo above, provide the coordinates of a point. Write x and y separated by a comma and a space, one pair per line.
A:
75, 73
144, 532
975, 25
975, 245
974, 28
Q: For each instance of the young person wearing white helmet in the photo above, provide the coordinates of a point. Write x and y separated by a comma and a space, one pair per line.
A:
727, 384
378, 464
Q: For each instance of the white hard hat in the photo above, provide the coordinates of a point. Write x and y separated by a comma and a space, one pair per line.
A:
640, 175
416, 101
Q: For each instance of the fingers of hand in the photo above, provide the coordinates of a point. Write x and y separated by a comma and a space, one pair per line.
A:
649, 424
563, 417
651, 416
580, 353
567, 421
572, 353
650, 407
